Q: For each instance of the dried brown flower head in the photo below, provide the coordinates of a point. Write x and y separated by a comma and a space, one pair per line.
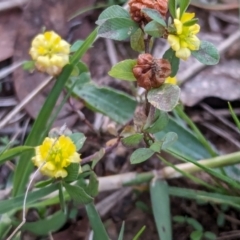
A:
137, 5
151, 72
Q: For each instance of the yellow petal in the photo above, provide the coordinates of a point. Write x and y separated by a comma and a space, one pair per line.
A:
174, 42
178, 25
194, 29
61, 173
187, 16
183, 53
193, 43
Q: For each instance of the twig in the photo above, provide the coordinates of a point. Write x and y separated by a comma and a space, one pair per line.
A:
24, 102
188, 73
5, 5
106, 150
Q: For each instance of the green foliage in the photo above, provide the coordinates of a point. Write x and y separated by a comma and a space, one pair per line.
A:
76, 46
49, 224
137, 42
73, 171
154, 29
112, 12
161, 208
78, 139
121, 234
155, 15
140, 155
172, 5
169, 139
164, 98
133, 140
29, 65
78, 194
92, 188
96, 223
158, 123
117, 28
174, 61
117, 105
207, 53
9, 154
234, 116
123, 70
137, 236
183, 6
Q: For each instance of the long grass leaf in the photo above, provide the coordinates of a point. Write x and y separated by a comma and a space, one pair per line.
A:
161, 208
99, 230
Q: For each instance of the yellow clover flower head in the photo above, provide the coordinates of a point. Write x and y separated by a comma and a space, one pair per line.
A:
171, 80
54, 155
184, 40
50, 53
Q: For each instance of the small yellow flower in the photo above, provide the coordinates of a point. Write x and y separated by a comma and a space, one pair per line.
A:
184, 40
50, 53
171, 80
54, 155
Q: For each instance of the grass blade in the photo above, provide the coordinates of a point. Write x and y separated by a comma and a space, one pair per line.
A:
96, 223
120, 237
234, 116
161, 208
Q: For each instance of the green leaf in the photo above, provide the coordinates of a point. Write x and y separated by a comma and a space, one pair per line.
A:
154, 29
207, 53
108, 101
50, 224
210, 236
117, 28
169, 139
183, 6
179, 219
76, 83
154, 15
78, 194
114, 11
174, 61
76, 45
187, 144
190, 22
97, 156
40, 126
92, 187
164, 98
137, 41
133, 140
195, 224
43, 183
160, 122
28, 66
61, 197
156, 146
16, 203
140, 155
123, 70
139, 233
172, 6
96, 223
73, 171
196, 235
161, 208
78, 139
234, 116
14, 152
121, 234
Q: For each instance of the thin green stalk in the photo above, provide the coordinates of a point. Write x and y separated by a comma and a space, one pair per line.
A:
234, 116
99, 230
188, 175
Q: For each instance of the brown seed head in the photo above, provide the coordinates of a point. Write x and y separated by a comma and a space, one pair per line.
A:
137, 5
150, 72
